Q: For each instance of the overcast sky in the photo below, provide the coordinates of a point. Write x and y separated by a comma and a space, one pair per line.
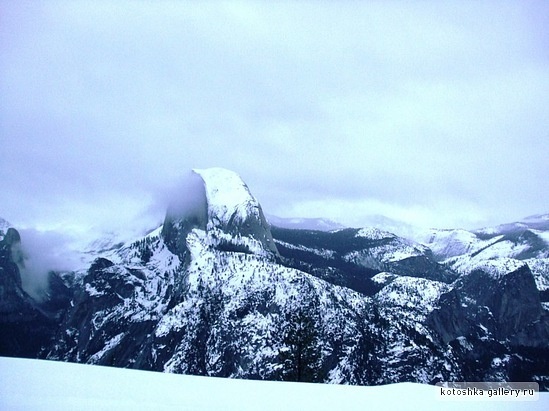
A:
434, 113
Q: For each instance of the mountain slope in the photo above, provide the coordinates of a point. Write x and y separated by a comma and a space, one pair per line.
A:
217, 291
526, 240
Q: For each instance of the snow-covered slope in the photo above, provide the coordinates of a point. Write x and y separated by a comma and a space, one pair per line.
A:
207, 296
217, 291
528, 238
526, 241
359, 253
451, 243
388, 248
47, 385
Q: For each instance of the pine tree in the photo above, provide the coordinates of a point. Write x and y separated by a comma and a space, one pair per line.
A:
300, 359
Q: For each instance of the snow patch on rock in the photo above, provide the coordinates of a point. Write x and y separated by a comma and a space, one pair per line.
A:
374, 233
499, 267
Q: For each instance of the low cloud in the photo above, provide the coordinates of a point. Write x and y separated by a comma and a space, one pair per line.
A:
39, 253
183, 198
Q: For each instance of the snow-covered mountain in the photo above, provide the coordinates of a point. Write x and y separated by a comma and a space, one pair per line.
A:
216, 290
526, 240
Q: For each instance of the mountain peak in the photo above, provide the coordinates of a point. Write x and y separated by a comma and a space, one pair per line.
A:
228, 198
217, 201
235, 216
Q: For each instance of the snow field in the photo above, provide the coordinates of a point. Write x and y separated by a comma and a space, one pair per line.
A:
49, 385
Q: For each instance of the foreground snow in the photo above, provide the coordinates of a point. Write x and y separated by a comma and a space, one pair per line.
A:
48, 385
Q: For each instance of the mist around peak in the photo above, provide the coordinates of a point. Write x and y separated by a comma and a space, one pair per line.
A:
187, 199
39, 253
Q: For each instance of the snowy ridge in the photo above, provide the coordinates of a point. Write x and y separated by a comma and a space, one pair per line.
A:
108, 245
130, 291
392, 250
322, 252
500, 267
524, 239
503, 228
374, 233
497, 249
384, 278
504, 248
451, 243
490, 257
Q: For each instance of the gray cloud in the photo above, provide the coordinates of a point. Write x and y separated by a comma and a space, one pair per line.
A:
426, 112
39, 253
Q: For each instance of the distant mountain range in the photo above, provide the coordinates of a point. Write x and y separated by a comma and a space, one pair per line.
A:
319, 224
220, 290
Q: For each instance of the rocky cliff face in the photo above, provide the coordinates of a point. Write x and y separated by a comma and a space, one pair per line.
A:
503, 299
216, 291
26, 326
